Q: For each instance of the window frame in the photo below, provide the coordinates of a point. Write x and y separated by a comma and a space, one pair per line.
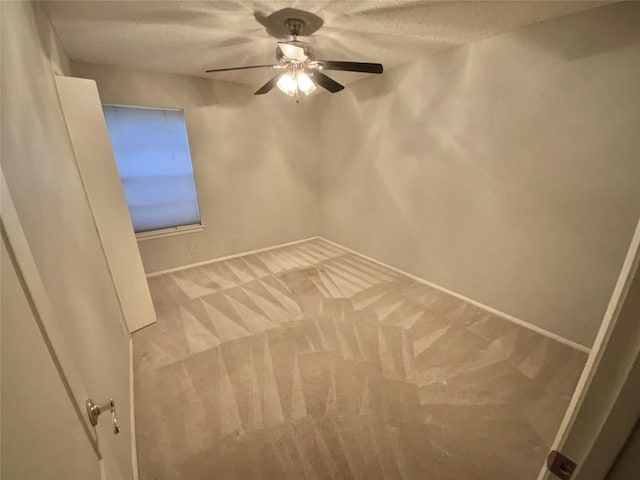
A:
178, 229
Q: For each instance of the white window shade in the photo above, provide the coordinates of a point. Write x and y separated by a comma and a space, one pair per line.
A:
152, 154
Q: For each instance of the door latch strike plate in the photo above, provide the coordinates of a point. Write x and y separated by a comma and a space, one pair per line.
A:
561, 466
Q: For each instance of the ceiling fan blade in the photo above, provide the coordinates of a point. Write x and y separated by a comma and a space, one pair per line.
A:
364, 67
325, 82
293, 52
241, 68
266, 88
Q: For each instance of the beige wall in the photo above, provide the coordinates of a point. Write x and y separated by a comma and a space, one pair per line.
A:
626, 466
253, 158
43, 180
507, 171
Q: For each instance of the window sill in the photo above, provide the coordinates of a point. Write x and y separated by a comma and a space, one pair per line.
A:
168, 232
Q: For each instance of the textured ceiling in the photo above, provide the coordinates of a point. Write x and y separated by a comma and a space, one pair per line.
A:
189, 37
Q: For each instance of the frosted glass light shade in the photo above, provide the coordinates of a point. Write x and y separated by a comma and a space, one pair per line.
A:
287, 84
305, 84
291, 83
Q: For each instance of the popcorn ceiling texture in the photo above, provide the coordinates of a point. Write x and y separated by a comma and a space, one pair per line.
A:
189, 37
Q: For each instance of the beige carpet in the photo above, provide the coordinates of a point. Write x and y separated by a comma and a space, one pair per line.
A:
308, 362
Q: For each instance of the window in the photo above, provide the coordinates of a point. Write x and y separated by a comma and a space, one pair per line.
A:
152, 154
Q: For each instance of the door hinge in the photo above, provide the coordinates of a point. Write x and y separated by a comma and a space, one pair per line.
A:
561, 466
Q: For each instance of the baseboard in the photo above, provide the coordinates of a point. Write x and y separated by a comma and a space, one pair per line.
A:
487, 308
227, 257
481, 305
132, 413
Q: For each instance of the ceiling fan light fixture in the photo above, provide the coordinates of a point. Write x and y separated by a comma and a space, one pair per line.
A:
305, 84
287, 84
293, 82
298, 69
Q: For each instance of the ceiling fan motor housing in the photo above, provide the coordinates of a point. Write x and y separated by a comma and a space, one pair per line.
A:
292, 21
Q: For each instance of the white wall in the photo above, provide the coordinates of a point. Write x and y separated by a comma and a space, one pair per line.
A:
254, 161
507, 171
45, 185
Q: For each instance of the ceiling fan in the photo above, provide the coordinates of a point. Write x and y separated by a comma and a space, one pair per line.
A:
298, 69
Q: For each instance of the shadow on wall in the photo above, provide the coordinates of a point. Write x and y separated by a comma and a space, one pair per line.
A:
51, 44
376, 86
401, 98
503, 170
598, 31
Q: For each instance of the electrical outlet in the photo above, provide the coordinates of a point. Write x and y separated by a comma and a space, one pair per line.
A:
235, 241
193, 248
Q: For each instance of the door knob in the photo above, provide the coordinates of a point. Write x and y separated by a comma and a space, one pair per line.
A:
94, 411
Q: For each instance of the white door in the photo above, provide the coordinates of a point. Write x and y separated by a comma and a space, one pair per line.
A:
87, 129
46, 432
42, 435
605, 404
53, 232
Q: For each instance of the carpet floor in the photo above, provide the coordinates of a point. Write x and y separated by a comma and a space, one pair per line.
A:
309, 362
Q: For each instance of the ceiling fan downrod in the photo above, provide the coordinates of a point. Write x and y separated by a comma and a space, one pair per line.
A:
295, 26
